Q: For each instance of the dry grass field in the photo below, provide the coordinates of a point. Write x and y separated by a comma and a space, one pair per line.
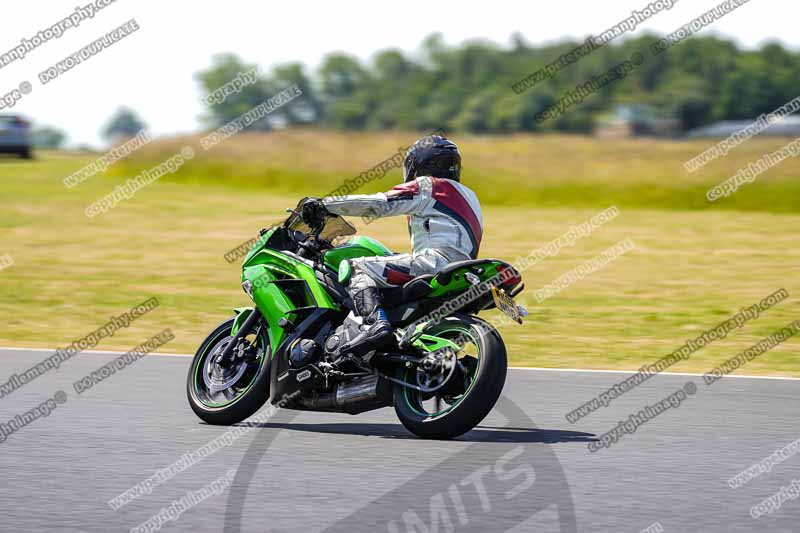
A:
693, 266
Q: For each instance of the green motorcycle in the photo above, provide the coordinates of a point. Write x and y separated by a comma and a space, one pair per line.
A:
443, 373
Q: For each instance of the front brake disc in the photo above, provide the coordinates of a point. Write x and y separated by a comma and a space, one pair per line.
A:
218, 378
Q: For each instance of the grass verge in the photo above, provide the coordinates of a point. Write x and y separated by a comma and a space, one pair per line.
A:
690, 270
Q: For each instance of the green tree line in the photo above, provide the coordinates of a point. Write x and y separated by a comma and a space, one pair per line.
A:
468, 87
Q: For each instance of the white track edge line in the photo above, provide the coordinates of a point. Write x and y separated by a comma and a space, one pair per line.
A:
540, 369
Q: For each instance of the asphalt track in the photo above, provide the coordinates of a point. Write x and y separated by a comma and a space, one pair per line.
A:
525, 469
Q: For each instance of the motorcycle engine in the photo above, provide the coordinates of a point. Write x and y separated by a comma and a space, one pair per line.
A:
303, 353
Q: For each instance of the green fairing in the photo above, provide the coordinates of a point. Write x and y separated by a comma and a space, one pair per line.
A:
241, 315
359, 246
261, 268
258, 245
458, 283
345, 271
432, 343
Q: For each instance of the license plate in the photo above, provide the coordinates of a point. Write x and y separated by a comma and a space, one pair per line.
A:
506, 304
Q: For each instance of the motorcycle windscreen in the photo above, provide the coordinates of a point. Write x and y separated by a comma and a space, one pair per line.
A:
335, 225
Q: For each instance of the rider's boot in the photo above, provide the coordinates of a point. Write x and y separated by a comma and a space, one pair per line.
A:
376, 331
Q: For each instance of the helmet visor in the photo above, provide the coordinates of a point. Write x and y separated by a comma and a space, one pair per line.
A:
409, 170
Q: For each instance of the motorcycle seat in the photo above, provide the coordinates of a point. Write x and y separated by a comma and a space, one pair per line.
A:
414, 289
420, 286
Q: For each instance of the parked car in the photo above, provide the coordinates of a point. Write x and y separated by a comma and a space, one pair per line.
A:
15, 136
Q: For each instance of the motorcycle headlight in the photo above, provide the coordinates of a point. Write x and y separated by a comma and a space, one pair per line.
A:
248, 287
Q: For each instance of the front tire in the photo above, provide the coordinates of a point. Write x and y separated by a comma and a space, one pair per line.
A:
245, 396
485, 386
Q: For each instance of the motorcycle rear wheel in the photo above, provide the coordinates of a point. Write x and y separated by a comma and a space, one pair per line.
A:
486, 380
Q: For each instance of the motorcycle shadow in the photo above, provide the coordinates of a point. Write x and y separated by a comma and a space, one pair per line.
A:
480, 434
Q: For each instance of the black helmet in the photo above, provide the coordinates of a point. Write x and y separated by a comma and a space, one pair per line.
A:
432, 156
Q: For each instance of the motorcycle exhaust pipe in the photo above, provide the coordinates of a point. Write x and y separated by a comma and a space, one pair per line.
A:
356, 396
356, 391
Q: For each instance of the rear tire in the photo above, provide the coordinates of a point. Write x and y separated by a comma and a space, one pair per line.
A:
480, 397
26, 153
243, 406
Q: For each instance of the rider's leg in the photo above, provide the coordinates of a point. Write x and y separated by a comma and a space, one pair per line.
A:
368, 305
370, 275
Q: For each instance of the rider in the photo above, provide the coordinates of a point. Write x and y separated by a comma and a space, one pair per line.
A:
444, 220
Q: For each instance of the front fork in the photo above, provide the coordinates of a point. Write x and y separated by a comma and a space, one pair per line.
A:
226, 358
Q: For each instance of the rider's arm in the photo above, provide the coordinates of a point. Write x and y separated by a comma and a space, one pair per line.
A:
403, 199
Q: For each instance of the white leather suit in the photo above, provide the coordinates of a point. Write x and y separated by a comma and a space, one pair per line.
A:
444, 220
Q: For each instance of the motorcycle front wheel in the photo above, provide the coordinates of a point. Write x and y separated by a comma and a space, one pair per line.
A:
225, 395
